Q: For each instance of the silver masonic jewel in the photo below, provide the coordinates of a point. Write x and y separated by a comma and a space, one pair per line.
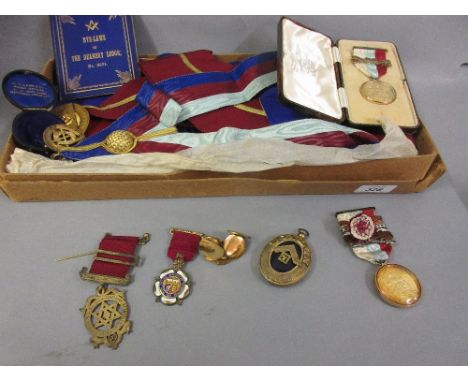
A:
173, 285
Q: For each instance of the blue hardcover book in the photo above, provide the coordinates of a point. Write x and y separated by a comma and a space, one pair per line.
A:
94, 55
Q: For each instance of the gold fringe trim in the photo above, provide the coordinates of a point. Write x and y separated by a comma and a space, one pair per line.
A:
189, 65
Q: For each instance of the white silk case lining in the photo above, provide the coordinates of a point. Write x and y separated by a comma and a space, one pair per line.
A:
308, 72
308, 78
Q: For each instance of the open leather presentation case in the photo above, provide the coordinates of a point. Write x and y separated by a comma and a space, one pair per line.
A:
332, 81
321, 81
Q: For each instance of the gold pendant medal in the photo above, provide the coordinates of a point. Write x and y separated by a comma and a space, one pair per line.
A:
221, 252
373, 63
106, 313
211, 248
106, 317
286, 259
173, 284
58, 136
378, 92
370, 240
397, 285
73, 115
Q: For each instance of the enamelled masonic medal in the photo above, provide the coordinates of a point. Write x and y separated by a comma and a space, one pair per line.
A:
173, 284
286, 259
106, 313
373, 64
370, 240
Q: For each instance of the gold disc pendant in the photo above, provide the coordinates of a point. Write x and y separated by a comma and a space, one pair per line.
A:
378, 92
235, 244
211, 248
221, 252
73, 115
286, 259
397, 285
106, 317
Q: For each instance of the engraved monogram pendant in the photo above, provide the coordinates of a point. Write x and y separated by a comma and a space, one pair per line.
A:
286, 259
106, 317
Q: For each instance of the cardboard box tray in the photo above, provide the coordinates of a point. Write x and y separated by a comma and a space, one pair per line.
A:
405, 175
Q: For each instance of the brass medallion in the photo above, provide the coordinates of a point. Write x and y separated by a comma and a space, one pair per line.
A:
106, 317
378, 92
73, 115
286, 259
397, 285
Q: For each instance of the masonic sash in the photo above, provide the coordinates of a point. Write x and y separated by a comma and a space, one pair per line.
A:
156, 70
248, 115
305, 131
174, 100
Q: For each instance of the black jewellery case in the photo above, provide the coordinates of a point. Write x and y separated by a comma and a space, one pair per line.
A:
35, 95
321, 80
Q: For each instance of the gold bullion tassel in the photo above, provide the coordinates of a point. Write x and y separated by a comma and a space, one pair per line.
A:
56, 138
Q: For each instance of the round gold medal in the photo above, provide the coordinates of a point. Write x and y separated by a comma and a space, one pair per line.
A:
378, 92
397, 285
73, 115
286, 259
